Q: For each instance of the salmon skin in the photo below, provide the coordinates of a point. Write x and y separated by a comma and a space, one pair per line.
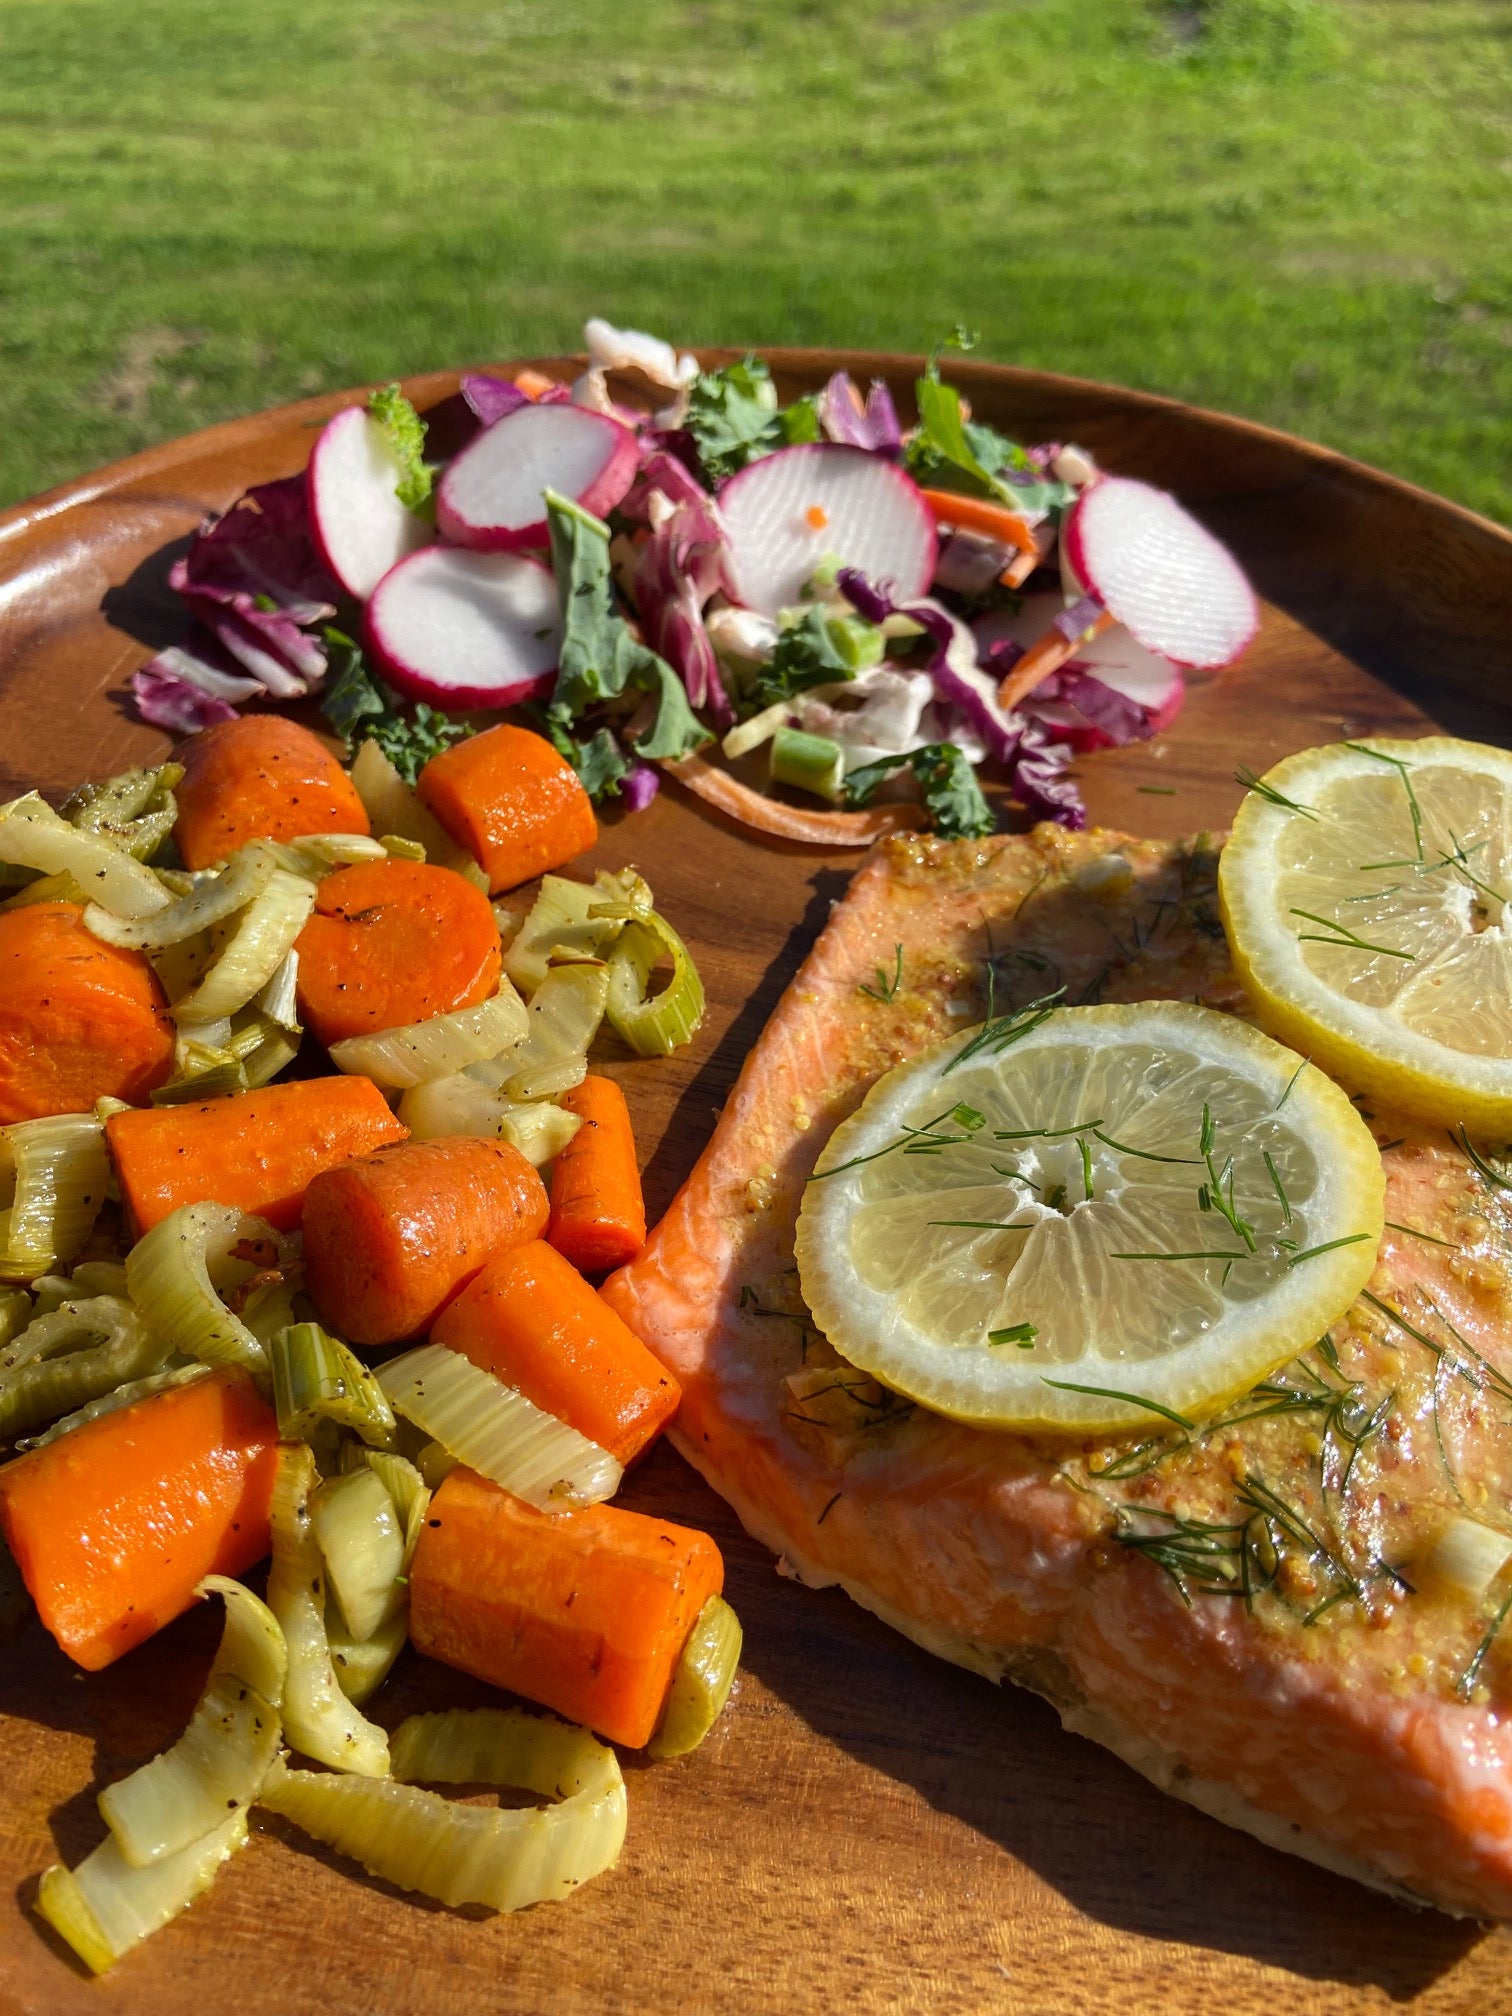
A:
1241, 1613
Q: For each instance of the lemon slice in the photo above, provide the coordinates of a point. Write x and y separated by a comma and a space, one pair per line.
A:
1365, 890
1155, 1200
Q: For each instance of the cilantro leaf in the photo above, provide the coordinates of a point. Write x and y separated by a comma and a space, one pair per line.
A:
362, 709
406, 436
947, 784
600, 658
733, 417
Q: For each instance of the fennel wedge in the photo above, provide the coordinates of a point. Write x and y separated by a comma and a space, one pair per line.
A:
105, 1906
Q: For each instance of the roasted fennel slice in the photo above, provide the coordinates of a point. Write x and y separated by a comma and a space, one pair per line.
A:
105, 1906
565, 1013
32, 835
404, 1484
177, 1270
363, 1664
126, 1395
218, 1765
261, 941
211, 901
701, 1681
653, 1024
574, 921
461, 1854
60, 1173
462, 1103
418, 1051
318, 1717
77, 1353
136, 809
316, 1378
357, 1527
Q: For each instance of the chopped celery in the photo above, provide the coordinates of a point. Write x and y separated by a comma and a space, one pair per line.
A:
497, 1431
120, 1396
77, 1353
807, 762
33, 836
209, 903
436, 1048
317, 1378
105, 1907
219, 1763
254, 952
565, 1012
62, 1172
136, 810
318, 1717
749, 735
170, 1274
461, 1854
653, 1027
357, 1528
701, 1681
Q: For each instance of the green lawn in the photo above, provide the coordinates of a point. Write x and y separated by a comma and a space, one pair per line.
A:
1296, 209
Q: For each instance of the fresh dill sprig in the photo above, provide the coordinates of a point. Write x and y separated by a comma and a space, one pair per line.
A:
1328, 1246
1276, 1185
1412, 1232
1290, 1083
1146, 1154
999, 1032
1398, 764
1022, 1334
1209, 1553
1343, 938
886, 989
1246, 777
1044, 1133
1493, 1176
1212, 1253
1129, 1399
1465, 1684
916, 1140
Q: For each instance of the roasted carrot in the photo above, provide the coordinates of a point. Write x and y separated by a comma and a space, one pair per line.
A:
598, 1215
393, 942
532, 1320
113, 1524
584, 1611
79, 1020
257, 1150
261, 777
510, 800
391, 1237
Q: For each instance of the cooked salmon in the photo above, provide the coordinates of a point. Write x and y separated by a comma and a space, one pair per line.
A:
1243, 1613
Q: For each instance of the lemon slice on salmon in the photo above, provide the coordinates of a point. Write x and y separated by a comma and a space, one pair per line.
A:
1366, 891
1076, 1217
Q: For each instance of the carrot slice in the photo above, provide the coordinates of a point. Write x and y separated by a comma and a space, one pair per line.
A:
533, 1321
79, 1020
976, 514
790, 822
511, 801
598, 1214
114, 1524
256, 1150
1045, 655
261, 777
392, 942
585, 1611
389, 1239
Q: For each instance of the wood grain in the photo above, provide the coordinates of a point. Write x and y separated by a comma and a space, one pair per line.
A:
868, 1829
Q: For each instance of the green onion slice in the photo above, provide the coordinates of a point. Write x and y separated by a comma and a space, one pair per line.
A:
461, 1854
807, 762
219, 1763
701, 1681
659, 1024
497, 1431
419, 1051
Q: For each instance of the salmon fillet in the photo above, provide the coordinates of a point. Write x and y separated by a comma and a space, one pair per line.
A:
1241, 1613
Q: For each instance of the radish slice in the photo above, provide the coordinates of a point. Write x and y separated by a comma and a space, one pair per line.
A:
790, 822
466, 629
490, 497
361, 529
790, 511
1164, 576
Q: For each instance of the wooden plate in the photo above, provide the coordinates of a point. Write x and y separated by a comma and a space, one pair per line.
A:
868, 1829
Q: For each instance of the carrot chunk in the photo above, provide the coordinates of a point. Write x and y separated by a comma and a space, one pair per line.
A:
598, 1215
261, 777
257, 1150
79, 1020
585, 1611
510, 800
390, 1238
113, 1524
393, 942
533, 1321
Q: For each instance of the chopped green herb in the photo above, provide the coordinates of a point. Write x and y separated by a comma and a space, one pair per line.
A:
406, 436
999, 1032
1412, 1232
1401, 768
1157, 790
361, 708
1489, 1173
1344, 938
947, 784
1146, 1154
1328, 1246
1219, 1253
886, 989
1245, 776
1270, 1170
1022, 1334
1465, 1684
1129, 1399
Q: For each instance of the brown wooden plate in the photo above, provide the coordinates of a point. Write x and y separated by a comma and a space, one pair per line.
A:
867, 1829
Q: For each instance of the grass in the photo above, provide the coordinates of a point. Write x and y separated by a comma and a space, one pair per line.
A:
1287, 208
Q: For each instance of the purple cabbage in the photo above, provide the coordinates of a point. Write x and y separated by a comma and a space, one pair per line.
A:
639, 786
264, 546
1039, 781
489, 398
168, 697
873, 426
677, 569
1113, 716
662, 471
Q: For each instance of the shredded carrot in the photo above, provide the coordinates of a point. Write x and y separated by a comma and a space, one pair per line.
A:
533, 1321
790, 822
1046, 655
257, 1150
79, 1020
533, 383
817, 516
586, 1611
114, 1524
260, 777
392, 942
390, 1238
511, 801
977, 514
598, 1215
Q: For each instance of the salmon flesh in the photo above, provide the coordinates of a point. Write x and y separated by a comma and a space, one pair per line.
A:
1243, 1612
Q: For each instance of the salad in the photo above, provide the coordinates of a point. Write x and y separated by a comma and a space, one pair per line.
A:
824, 623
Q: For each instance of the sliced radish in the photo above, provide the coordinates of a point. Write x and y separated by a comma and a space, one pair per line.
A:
466, 629
1164, 576
361, 529
790, 511
490, 497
